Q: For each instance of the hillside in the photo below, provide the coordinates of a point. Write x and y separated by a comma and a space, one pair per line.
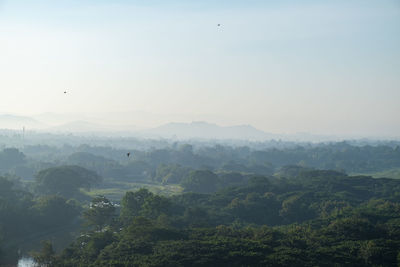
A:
204, 130
8, 121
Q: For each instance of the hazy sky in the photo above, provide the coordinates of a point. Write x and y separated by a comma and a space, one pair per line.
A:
328, 67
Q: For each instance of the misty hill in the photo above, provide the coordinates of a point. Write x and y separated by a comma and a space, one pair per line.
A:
90, 127
79, 127
56, 119
8, 121
206, 130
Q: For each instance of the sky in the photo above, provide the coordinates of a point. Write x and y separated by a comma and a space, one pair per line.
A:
323, 67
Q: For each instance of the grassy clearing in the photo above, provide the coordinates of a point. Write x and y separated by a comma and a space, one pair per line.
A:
116, 190
391, 173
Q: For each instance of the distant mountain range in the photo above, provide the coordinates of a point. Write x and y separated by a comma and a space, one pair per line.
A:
197, 130
204, 130
15, 122
174, 130
79, 127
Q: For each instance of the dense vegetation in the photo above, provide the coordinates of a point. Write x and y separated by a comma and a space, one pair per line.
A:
232, 206
316, 218
152, 164
24, 219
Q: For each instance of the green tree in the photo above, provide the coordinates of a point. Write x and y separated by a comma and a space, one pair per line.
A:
55, 210
11, 157
201, 181
46, 256
100, 213
143, 203
65, 180
171, 174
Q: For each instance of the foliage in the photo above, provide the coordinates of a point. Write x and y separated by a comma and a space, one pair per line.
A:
65, 180
100, 213
46, 256
315, 218
54, 210
283, 205
171, 174
11, 157
201, 181
25, 219
143, 203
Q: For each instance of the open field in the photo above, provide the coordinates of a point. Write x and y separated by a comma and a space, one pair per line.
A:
390, 173
116, 190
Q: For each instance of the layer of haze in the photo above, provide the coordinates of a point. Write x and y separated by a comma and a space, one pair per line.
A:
327, 67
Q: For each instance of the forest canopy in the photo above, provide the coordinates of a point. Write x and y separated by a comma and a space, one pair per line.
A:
185, 205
